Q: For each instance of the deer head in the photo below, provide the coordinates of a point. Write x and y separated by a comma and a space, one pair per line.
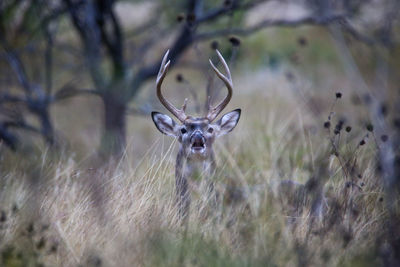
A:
196, 134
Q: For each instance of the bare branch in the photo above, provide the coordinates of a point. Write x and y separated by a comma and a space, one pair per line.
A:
84, 19
113, 39
8, 138
224, 10
312, 20
69, 91
48, 55
341, 19
20, 125
6, 98
355, 34
16, 65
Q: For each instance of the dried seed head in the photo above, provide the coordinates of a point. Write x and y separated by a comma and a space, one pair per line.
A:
396, 122
3, 216
53, 248
191, 17
339, 127
30, 228
289, 76
235, 41
302, 41
367, 99
348, 129
14, 208
384, 109
214, 45
180, 17
41, 243
369, 127
227, 3
378, 167
384, 138
338, 95
179, 78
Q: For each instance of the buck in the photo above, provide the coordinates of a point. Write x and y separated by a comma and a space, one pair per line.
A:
195, 135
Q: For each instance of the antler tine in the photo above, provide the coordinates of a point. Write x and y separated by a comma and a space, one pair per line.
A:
178, 113
213, 112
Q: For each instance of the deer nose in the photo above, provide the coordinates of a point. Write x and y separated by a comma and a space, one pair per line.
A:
197, 137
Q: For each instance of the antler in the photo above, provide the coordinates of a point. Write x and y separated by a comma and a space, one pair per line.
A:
213, 112
178, 113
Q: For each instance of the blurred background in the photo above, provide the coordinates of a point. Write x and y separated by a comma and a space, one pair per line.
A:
317, 82
82, 74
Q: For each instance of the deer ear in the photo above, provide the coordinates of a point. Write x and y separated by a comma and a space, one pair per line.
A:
165, 124
228, 122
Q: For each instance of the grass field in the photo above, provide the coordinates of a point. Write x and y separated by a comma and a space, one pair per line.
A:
67, 209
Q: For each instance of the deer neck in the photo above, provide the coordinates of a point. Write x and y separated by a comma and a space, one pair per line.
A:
191, 167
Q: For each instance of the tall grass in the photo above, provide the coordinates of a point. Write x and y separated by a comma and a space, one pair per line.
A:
62, 209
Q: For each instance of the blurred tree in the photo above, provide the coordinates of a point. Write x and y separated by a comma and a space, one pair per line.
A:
22, 24
99, 27
119, 61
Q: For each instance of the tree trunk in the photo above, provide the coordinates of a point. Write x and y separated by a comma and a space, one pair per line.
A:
114, 135
47, 127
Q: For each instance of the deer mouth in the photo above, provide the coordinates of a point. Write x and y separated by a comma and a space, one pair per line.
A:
198, 145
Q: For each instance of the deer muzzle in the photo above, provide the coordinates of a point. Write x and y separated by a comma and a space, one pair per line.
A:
198, 142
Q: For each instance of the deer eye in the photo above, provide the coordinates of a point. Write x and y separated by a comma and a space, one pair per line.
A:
183, 130
210, 130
